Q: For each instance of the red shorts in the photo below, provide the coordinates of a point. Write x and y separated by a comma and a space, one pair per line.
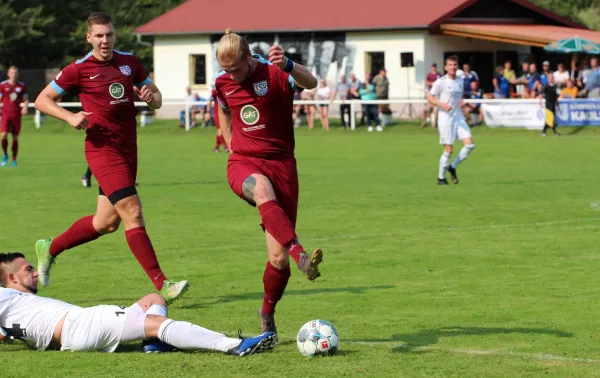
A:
281, 173
115, 171
11, 124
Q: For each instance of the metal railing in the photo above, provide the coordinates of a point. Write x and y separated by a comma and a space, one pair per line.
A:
355, 106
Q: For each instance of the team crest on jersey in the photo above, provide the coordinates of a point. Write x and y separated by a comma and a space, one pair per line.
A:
125, 70
18, 89
261, 88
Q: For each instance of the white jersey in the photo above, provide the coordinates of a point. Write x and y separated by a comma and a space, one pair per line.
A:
29, 317
449, 91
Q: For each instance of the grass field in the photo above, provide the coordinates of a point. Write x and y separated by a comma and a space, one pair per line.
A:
496, 276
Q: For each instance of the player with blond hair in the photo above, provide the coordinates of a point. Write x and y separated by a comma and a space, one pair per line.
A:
255, 111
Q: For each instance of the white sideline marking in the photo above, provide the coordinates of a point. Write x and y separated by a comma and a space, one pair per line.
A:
472, 352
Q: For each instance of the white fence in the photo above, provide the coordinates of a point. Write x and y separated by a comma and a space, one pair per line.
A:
355, 106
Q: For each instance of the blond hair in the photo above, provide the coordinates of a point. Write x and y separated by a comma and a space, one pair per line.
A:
232, 46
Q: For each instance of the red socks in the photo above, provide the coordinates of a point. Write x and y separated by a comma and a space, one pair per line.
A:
275, 282
280, 227
220, 141
5, 146
15, 149
80, 232
142, 249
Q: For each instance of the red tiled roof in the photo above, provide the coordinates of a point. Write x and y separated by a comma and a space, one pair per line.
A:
208, 17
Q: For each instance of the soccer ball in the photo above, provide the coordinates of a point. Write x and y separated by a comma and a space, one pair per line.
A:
318, 338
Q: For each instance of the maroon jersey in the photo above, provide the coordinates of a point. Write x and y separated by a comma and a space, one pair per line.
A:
105, 89
12, 96
432, 77
261, 111
215, 109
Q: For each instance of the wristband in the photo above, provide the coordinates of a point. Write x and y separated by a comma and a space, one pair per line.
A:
289, 65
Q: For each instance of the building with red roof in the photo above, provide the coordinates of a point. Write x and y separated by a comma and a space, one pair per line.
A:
357, 36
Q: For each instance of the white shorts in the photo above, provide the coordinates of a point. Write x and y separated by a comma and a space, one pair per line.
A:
449, 131
102, 328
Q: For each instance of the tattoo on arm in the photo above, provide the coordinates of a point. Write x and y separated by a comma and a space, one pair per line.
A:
248, 189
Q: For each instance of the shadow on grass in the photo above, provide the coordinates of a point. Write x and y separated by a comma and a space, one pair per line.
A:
519, 182
259, 295
414, 341
573, 130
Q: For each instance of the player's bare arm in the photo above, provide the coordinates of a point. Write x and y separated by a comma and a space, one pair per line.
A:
47, 103
150, 94
25, 106
225, 122
302, 76
435, 102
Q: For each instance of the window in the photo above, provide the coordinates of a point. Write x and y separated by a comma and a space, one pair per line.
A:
375, 61
198, 69
406, 59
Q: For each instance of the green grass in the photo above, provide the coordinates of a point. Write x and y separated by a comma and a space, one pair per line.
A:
497, 276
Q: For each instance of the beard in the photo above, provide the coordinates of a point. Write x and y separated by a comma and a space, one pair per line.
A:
31, 289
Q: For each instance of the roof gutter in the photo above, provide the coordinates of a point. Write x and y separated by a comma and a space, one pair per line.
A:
196, 32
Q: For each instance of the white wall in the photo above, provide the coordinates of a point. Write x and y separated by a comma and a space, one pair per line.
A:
172, 64
436, 45
392, 44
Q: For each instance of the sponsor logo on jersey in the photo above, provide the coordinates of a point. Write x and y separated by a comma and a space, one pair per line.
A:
249, 115
261, 88
125, 70
13, 96
116, 90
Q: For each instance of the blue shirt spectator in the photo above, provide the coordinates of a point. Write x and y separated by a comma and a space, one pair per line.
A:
469, 77
501, 85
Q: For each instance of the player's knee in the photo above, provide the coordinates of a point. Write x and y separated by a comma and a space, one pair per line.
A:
279, 260
263, 190
155, 299
107, 225
448, 149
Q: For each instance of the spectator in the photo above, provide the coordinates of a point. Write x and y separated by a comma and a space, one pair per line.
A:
298, 109
193, 109
561, 76
382, 89
523, 81
509, 74
593, 79
324, 94
534, 78
582, 73
570, 91
546, 71
372, 111
549, 93
342, 90
537, 89
355, 86
474, 108
469, 77
309, 109
501, 85
432, 76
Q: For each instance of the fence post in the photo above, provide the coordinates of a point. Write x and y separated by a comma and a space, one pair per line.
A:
352, 115
38, 119
187, 116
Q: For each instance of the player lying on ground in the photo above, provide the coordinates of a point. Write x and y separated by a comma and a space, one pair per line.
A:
13, 93
255, 113
446, 94
46, 323
106, 80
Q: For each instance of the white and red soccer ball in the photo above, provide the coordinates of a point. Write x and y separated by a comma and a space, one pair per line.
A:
318, 338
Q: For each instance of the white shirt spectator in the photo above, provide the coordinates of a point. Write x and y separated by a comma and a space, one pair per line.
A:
561, 77
323, 93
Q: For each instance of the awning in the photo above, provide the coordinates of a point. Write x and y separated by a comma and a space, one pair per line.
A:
530, 35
